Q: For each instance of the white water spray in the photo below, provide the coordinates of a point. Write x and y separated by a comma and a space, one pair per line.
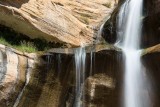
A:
129, 33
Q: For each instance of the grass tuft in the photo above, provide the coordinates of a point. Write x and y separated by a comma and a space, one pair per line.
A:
27, 47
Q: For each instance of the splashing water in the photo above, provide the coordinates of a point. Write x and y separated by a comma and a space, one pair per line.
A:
129, 35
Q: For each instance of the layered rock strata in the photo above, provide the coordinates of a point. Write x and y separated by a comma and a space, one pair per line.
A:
52, 81
72, 22
14, 68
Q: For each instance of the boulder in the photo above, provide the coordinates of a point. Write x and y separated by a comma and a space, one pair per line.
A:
98, 90
63, 21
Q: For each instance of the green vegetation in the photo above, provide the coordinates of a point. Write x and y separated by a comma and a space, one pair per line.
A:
84, 20
108, 5
27, 47
23, 43
4, 42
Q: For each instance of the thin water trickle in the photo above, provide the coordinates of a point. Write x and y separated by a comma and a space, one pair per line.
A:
80, 57
91, 57
59, 65
2, 70
21, 93
129, 36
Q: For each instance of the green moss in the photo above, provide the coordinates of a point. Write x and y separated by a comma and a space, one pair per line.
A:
84, 20
108, 5
85, 15
23, 43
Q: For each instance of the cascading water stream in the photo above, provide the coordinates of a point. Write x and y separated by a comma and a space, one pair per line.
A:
80, 57
129, 33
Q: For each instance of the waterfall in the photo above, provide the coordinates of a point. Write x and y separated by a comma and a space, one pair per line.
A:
129, 25
80, 57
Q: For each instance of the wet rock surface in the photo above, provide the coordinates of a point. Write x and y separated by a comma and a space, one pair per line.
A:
152, 66
52, 81
98, 90
151, 23
13, 70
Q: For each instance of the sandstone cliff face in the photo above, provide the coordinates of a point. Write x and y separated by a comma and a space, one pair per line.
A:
66, 21
51, 83
14, 68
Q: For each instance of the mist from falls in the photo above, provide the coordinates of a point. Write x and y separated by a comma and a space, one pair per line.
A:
136, 83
